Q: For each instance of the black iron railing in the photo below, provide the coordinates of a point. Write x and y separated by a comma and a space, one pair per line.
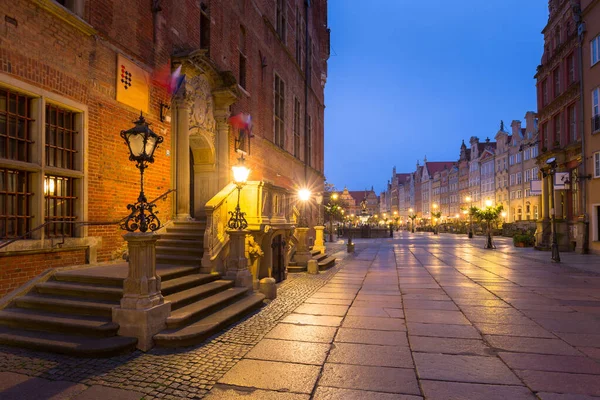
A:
27, 235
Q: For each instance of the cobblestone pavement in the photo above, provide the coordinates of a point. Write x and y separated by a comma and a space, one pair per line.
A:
417, 316
173, 373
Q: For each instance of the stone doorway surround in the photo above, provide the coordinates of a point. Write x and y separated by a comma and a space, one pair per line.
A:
199, 125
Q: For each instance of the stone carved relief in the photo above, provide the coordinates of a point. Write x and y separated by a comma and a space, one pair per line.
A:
199, 100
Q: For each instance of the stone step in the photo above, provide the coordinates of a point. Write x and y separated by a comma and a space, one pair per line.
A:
175, 243
320, 257
66, 305
204, 307
70, 276
185, 297
293, 268
187, 282
188, 236
80, 290
184, 231
67, 344
168, 272
326, 263
198, 225
201, 330
315, 252
61, 323
195, 252
176, 259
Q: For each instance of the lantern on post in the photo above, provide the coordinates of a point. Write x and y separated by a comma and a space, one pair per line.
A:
237, 220
142, 142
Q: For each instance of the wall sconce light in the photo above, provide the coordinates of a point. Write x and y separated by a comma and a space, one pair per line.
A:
165, 115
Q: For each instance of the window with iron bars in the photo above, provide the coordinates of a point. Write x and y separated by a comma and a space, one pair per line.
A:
15, 145
27, 123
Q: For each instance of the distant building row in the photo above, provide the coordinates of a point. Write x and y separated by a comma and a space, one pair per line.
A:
498, 171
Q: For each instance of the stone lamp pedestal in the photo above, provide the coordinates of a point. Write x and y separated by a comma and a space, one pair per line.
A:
319, 239
302, 252
143, 312
237, 263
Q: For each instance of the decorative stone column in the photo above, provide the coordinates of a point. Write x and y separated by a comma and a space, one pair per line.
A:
319, 240
302, 252
143, 311
182, 171
222, 147
237, 264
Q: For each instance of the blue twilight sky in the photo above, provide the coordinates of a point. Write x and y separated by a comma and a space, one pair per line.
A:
409, 79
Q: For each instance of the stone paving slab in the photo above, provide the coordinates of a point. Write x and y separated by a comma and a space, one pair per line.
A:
375, 323
389, 338
368, 354
307, 333
542, 362
329, 393
278, 376
378, 379
459, 368
560, 382
223, 392
427, 344
290, 351
436, 390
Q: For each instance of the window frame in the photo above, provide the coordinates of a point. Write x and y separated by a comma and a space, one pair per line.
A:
37, 166
279, 117
595, 50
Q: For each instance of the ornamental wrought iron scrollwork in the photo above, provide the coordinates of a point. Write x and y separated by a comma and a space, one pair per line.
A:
142, 217
237, 219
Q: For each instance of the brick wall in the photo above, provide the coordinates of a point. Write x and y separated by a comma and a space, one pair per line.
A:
16, 270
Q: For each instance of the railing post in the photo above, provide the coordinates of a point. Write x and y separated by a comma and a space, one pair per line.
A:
143, 311
237, 263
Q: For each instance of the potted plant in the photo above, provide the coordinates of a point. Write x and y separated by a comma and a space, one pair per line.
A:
523, 240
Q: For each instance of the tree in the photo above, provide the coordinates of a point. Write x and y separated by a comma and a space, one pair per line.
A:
437, 215
489, 215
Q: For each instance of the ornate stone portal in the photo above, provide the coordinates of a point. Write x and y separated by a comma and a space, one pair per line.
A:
201, 109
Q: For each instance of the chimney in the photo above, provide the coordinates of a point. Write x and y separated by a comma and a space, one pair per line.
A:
516, 128
530, 118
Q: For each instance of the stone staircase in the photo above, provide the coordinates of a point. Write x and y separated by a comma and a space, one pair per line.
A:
323, 260
71, 313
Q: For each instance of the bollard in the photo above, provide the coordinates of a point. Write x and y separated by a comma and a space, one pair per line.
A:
350, 245
312, 267
268, 287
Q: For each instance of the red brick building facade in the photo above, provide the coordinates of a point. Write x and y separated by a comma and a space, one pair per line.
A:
61, 156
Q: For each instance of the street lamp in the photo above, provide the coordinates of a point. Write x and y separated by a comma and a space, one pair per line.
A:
436, 216
303, 195
237, 220
319, 200
489, 244
551, 162
332, 210
469, 199
412, 217
142, 144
